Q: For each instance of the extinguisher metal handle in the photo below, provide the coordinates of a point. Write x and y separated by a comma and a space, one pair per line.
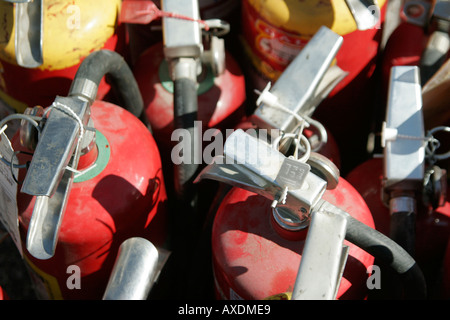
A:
137, 266
367, 14
29, 19
46, 219
324, 255
182, 38
57, 147
403, 135
296, 89
48, 178
252, 164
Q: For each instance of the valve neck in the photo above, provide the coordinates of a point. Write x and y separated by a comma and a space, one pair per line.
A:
286, 227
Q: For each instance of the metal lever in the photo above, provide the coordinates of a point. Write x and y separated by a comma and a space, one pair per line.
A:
47, 177
324, 255
182, 38
365, 12
29, 33
403, 131
254, 165
135, 270
404, 153
297, 87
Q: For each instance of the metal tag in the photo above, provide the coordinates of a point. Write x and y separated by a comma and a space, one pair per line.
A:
292, 173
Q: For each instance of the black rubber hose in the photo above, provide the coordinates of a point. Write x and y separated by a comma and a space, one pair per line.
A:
106, 62
389, 252
402, 230
185, 115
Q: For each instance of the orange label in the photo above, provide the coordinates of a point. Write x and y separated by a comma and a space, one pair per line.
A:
271, 49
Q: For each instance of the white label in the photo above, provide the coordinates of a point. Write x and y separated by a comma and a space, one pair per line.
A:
8, 192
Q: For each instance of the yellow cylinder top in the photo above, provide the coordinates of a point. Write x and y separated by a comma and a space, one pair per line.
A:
71, 30
306, 16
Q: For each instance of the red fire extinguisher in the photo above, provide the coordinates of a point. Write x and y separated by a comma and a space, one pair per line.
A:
283, 109
43, 43
261, 244
211, 95
406, 189
101, 183
220, 75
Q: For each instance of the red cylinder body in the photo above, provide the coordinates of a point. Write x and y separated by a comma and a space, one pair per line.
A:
432, 226
220, 101
121, 197
254, 258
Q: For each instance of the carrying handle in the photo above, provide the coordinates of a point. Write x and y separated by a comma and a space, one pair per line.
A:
294, 94
29, 32
365, 12
135, 271
403, 135
254, 165
302, 86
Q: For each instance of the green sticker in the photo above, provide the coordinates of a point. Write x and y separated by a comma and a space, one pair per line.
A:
104, 153
167, 83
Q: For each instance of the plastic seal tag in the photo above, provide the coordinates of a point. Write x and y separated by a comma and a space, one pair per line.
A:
144, 12
292, 173
8, 192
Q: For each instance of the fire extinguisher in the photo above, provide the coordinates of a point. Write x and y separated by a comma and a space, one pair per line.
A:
43, 43
284, 109
406, 189
93, 180
274, 32
261, 228
212, 94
